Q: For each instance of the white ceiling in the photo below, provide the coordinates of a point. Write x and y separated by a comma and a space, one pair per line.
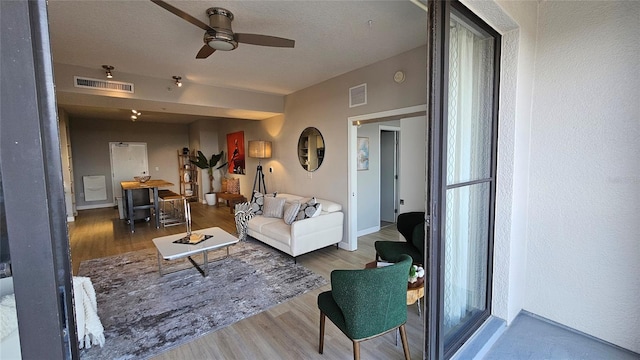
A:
140, 37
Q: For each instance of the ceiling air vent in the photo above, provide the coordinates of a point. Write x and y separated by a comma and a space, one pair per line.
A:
97, 84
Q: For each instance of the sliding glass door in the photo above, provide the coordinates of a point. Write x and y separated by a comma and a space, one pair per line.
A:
466, 52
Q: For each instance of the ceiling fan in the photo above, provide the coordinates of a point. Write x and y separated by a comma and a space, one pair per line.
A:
219, 36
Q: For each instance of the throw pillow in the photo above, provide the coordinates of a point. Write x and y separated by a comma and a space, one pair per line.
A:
8, 316
291, 212
233, 186
273, 207
309, 209
258, 201
243, 214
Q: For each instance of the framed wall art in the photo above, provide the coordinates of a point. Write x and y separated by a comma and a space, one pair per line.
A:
363, 153
235, 151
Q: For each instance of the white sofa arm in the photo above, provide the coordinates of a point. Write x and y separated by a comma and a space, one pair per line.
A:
317, 232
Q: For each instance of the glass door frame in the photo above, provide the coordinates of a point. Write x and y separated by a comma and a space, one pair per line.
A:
33, 196
439, 16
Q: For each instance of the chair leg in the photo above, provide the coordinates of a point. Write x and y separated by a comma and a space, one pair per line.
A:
356, 350
405, 344
322, 319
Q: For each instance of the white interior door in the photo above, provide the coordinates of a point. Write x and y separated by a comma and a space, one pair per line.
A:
127, 160
413, 168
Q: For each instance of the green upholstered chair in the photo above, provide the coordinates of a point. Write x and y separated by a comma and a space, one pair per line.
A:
367, 303
411, 226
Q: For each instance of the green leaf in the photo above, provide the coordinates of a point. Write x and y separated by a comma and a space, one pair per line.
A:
202, 162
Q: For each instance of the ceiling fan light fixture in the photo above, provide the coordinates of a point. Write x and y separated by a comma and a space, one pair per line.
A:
222, 45
220, 40
108, 69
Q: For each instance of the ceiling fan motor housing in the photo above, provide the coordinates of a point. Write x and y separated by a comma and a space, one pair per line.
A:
222, 37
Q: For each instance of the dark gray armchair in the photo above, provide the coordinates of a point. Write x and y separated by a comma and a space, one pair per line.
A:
411, 226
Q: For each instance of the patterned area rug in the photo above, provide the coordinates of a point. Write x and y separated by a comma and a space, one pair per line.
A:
144, 314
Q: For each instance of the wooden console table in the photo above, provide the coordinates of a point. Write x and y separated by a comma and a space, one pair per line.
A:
230, 199
129, 186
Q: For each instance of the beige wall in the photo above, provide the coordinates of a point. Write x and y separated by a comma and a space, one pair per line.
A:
90, 139
326, 107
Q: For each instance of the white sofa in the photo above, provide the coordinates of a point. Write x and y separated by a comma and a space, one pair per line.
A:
302, 236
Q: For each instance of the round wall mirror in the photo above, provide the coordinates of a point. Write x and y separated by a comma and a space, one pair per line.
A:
311, 149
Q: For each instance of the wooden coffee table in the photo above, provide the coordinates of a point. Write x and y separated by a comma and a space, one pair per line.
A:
168, 250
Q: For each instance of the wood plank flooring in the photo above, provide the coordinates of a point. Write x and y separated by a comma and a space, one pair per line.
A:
286, 331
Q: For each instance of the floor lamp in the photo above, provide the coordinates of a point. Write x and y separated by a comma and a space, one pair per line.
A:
259, 149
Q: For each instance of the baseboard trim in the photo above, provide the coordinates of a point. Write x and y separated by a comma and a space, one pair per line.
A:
482, 340
97, 206
368, 231
576, 331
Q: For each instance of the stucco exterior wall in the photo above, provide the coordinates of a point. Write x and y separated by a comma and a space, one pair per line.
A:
583, 267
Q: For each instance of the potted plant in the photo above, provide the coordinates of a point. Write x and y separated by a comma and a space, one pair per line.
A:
202, 162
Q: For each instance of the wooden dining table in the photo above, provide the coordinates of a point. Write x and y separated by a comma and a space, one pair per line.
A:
129, 186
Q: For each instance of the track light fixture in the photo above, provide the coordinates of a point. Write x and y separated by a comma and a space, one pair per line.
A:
108, 69
177, 81
135, 115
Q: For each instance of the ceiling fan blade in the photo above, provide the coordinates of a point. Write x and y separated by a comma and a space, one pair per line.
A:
205, 51
264, 40
182, 14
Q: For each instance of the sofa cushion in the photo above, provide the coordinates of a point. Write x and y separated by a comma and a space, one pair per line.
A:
273, 207
290, 198
258, 201
329, 206
291, 212
259, 221
309, 209
278, 231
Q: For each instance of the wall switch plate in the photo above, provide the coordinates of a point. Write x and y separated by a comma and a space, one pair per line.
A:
270, 169
401, 201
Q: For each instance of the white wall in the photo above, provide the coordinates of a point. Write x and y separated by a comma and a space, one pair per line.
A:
67, 166
326, 107
369, 183
412, 172
413, 164
204, 136
583, 258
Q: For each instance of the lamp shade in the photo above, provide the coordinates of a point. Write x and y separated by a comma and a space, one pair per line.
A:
260, 149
